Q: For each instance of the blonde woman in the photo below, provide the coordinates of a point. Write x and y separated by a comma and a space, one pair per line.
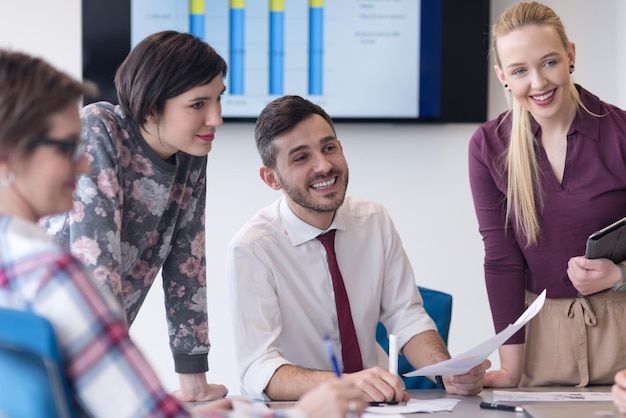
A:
544, 176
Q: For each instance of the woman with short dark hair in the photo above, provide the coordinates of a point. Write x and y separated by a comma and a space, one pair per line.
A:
141, 209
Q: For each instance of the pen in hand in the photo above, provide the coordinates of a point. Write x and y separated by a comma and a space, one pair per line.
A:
332, 356
387, 403
393, 366
501, 407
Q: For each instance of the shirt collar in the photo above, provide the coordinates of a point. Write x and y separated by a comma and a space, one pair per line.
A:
299, 231
26, 228
584, 123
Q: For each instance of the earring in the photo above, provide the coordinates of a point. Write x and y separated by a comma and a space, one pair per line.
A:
506, 85
8, 179
571, 68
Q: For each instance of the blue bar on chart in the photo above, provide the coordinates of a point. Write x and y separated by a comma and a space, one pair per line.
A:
237, 52
277, 47
196, 18
316, 46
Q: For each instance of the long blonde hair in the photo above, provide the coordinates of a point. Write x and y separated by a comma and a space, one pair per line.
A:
523, 190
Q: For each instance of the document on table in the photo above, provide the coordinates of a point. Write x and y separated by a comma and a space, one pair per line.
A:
462, 363
517, 396
412, 406
247, 408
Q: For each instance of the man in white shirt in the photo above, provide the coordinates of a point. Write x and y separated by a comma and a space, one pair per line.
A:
280, 280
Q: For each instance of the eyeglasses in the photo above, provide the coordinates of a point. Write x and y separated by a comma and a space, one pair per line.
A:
73, 150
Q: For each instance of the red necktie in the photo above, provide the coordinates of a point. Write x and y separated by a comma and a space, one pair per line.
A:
350, 351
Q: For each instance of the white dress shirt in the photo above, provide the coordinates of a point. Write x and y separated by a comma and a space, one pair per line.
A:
282, 293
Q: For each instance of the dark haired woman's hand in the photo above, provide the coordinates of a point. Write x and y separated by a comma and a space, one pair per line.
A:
194, 388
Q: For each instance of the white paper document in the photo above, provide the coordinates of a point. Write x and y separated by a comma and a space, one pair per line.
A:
462, 363
413, 406
505, 395
247, 408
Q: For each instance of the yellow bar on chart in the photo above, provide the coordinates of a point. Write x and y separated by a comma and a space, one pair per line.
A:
196, 7
237, 4
316, 3
277, 5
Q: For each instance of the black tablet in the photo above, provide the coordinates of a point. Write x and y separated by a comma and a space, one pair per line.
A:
609, 242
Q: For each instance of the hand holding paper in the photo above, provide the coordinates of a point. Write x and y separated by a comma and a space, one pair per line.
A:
462, 363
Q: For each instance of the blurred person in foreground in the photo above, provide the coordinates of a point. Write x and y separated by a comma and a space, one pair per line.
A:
41, 155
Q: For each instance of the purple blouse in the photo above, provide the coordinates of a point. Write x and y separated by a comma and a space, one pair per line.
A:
591, 195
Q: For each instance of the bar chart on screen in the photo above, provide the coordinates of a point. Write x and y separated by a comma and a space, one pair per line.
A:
355, 58
362, 60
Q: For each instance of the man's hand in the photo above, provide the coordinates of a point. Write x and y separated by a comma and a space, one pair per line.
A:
379, 385
470, 383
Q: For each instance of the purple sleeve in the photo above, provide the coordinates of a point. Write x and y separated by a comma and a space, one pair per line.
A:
504, 264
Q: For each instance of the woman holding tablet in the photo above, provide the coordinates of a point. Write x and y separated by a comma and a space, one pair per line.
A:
544, 176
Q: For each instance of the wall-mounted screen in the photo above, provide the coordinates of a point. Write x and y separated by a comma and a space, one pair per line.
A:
362, 60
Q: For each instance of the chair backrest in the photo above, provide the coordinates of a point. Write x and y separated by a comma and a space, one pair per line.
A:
32, 380
439, 306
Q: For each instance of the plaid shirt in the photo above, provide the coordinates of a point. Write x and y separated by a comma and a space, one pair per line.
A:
108, 375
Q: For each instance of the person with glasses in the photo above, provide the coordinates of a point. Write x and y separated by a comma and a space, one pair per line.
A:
41, 156
73, 150
141, 208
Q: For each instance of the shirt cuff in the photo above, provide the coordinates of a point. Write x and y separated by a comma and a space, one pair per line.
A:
191, 364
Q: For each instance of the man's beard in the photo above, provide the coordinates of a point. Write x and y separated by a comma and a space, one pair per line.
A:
304, 199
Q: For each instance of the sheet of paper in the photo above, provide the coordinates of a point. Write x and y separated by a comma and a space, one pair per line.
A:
413, 406
462, 363
504, 395
246, 408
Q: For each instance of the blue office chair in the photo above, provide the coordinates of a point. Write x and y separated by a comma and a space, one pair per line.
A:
32, 380
439, 306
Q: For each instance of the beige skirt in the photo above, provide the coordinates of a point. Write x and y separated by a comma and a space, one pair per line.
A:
576, 341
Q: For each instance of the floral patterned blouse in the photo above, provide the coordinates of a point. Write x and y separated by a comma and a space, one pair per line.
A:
135, 214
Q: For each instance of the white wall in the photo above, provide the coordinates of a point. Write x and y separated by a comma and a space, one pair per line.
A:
597, 29
51, 29
418, 171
